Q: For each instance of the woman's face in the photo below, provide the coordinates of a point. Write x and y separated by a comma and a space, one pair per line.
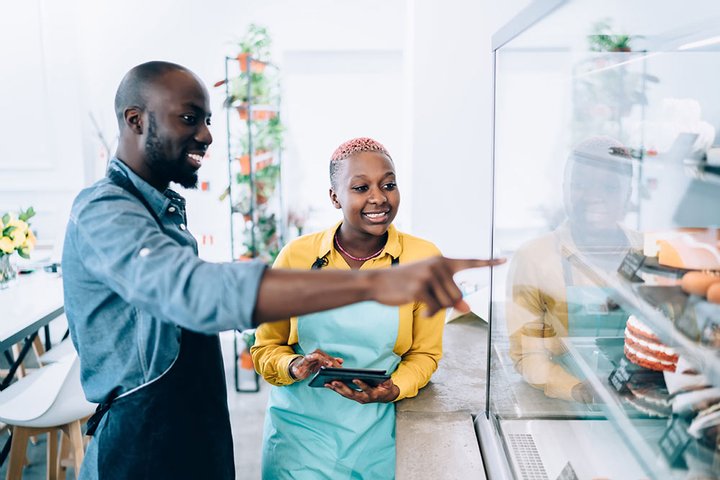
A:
367, 193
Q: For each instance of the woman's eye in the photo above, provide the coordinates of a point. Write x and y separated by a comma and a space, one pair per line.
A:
390, 186
208, 122
361, 188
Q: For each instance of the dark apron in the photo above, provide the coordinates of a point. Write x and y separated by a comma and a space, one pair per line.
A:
177, 426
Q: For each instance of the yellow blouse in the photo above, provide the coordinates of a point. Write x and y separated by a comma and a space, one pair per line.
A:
419, 341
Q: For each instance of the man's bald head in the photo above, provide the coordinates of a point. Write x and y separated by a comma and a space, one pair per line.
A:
135, 86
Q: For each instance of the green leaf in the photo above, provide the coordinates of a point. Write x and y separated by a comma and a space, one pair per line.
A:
8, 230
6, 218
27, 214
24, 253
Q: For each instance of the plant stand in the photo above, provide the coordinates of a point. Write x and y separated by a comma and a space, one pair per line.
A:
254, 143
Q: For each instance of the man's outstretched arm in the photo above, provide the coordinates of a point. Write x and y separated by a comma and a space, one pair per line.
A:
287, 293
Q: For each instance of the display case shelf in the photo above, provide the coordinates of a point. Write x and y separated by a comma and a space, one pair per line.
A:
706, 359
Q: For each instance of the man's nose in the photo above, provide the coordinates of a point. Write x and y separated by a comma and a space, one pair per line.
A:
203, 135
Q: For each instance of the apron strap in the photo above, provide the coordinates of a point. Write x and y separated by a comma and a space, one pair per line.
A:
320, 262
126, 184
100, 412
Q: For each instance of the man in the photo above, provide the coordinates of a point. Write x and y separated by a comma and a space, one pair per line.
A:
144, 310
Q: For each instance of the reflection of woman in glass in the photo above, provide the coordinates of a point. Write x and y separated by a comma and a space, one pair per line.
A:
338, 432
549, 295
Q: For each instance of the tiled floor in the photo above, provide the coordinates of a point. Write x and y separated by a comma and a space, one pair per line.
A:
247, 411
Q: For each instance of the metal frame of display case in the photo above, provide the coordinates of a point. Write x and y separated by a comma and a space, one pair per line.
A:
493, 446
252, 225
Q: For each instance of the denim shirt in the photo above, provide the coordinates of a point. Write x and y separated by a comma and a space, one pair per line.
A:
130, 285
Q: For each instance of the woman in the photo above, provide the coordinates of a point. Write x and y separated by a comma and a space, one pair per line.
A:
337, 432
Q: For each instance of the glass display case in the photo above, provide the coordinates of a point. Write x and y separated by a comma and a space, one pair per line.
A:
604, 344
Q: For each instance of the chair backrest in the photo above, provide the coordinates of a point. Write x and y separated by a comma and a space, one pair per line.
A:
32, 396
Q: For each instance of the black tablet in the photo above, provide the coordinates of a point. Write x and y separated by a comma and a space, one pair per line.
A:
347, 375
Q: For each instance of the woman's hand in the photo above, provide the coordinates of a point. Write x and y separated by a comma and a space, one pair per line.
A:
303, 367
385, 392
582, 393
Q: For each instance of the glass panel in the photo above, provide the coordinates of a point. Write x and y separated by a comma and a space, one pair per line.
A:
607, 192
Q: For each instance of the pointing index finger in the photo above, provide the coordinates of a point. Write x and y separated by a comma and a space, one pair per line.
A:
457, 264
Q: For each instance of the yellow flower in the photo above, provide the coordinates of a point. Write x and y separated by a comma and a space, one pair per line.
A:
19, 234
30, 240
20, 238
6, 245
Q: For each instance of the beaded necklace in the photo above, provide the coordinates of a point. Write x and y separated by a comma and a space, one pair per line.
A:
357, 259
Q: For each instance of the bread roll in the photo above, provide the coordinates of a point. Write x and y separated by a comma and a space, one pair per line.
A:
713, 293
698, 283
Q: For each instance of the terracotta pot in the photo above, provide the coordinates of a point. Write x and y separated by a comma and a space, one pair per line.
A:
257, 114
245, 162
256, 66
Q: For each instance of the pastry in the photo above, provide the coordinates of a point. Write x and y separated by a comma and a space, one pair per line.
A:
687, 251
698, 283
642, 347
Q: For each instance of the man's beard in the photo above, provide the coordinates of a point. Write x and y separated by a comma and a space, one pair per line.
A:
159, 162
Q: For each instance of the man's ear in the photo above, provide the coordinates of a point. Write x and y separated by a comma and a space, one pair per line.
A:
134, 119
334, 199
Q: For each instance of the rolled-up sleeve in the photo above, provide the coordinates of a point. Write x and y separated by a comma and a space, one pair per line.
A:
124, 248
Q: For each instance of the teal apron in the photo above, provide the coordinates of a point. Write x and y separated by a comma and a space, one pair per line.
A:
315, 433
590, 311
590, 314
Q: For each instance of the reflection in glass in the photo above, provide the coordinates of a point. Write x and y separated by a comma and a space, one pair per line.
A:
548, 296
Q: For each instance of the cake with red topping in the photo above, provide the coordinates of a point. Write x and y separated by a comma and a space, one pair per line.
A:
643, 347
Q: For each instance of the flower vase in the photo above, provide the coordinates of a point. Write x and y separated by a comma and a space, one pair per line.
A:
7, 272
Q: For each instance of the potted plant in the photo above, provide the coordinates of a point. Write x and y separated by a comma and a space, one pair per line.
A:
15, 236
602, 39
255, 46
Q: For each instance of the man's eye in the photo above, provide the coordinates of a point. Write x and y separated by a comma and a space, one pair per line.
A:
361, 188
190, 119
390, 186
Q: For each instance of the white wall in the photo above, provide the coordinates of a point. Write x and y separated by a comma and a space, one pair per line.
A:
41, 163
452, 103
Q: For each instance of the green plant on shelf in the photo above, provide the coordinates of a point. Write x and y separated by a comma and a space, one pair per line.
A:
256, 42
266, 179
255, 144
266, 137
609, 90
602, 38
261, 89
267, 241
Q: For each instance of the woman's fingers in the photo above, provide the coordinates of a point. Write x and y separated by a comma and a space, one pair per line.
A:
347, 392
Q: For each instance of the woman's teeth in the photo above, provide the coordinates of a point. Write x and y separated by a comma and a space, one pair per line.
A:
375, 215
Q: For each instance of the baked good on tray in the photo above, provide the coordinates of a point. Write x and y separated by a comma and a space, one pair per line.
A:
649, 396
644, 348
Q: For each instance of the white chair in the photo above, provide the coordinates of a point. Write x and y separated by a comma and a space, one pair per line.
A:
58, 352
48, 400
